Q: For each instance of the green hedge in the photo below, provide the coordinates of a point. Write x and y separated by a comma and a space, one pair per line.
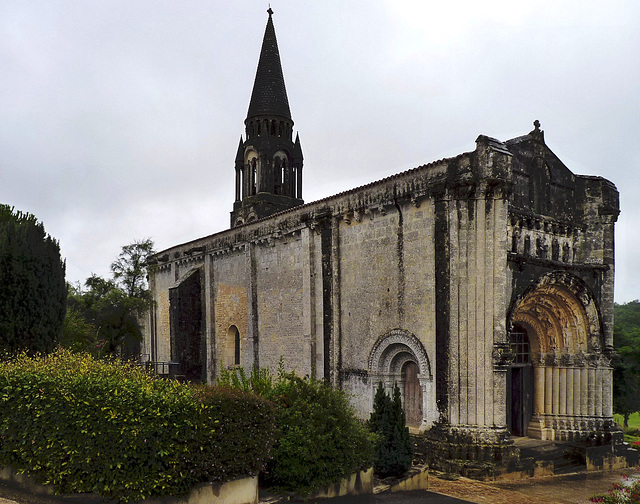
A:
319, 439
94, 426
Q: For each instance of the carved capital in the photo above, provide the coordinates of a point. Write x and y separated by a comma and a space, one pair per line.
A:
502, 355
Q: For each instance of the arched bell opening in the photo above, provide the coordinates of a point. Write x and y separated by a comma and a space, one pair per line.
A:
399, 358
570, 379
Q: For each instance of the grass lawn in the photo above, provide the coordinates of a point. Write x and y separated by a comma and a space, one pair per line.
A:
634, 425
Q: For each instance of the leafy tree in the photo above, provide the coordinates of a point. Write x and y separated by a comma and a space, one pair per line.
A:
78, 333
112, 308
33, 293
394, 449
626, 374
130, 269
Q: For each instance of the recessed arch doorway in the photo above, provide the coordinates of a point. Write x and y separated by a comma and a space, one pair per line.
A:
399, 358
563, 392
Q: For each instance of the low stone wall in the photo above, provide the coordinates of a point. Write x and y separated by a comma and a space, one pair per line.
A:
356, 484
24, 481
416, 479
241, 491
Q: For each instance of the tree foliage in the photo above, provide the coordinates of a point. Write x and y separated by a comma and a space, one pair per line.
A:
104, 317
130, 268
319, 439
626, 373
87, 425
32, 276
394, 449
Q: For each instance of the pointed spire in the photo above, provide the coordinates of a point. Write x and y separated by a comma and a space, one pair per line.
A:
269, 96
297, 148
240, 153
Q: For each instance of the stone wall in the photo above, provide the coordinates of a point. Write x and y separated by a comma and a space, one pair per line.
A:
427, 266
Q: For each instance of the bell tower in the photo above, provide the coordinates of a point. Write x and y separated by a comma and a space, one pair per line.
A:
268, 163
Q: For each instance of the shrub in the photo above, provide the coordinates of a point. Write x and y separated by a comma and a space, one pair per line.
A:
394, 449
628, 492
319, 439
98, 426
33, 294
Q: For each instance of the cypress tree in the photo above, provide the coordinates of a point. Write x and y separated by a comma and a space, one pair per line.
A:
32, 278
394, 449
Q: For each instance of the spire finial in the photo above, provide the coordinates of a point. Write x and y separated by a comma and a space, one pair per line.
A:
269, 10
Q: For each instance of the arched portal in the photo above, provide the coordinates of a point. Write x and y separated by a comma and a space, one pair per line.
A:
571, 379
399, 358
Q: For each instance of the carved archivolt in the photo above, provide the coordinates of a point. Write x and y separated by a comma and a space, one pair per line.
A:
560, 315
393, 350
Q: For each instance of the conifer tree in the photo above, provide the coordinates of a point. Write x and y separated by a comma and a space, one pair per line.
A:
394, 450
32, 278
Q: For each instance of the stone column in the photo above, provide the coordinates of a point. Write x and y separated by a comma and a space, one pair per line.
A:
607, 392
238, 177
584, 391
562, 410
598, 398
570, 391
210, 353
556, 391
548, 390
591, 384
308, 299
539, 391
577, 392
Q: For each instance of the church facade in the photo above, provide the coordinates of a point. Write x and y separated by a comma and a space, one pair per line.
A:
481, 284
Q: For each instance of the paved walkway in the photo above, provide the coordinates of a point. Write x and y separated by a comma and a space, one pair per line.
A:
569, 489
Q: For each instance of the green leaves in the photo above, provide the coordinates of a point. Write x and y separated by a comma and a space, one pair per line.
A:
319, 438
33, 294
98, 426
626, 373
394, 449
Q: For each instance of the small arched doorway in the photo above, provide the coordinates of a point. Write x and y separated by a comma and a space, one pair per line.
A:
519, 383
411, 393
399, 358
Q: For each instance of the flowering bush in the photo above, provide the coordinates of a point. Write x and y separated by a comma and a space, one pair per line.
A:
84, 425
626, 493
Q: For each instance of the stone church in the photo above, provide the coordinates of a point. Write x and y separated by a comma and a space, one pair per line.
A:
481, 284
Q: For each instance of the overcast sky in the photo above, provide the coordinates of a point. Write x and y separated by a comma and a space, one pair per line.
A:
120, 120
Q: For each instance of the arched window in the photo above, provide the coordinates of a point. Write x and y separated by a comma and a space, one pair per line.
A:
277, 177
233, 347
253, 176
236, 350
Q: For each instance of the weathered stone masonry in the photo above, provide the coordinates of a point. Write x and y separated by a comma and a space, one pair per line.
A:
481, 284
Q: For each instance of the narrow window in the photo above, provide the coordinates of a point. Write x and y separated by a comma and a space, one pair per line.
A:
236, 358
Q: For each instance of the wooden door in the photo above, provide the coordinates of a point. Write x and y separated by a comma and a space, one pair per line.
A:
412, 394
